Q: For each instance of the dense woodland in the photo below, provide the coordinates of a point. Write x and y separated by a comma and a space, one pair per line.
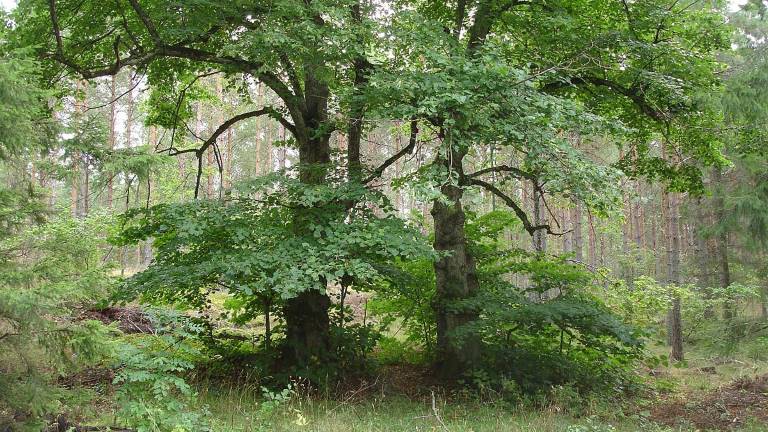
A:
383, 215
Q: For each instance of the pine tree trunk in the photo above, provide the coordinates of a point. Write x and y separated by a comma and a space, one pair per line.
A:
228, 167
128, 144
539, 218
592, 241
146, 255
672, 228
281, 153
74, 192
211, 166
578, 233
702, 251
638, 217
112, 136
85, 178
568, 226
721, 241
764, 302
626, 227
673, 277
260, 134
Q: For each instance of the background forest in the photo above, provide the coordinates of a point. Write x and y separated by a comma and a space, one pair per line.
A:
383, 215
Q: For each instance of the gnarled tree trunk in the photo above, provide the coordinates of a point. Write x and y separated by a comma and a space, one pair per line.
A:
456, 280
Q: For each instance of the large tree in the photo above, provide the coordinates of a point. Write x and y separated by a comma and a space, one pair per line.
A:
310, 54
521, 75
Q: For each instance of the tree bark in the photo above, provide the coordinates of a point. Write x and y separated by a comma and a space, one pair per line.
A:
210, 153
260, 135
357, 109
721, 241
74, 192
307, 338
673, 277
578, 233
638, 216
568, 238
456, 277
672, 225
112, 136
281, 153
307, 324
539, 217
456, 280
592, 240
230, 155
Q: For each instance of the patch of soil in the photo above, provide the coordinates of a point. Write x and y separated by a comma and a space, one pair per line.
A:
129, 319
412, 381
406, 380
726, 408
89, 377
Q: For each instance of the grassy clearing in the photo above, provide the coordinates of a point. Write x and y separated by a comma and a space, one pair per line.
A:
240, 407
244, 408
232, 410
402, 400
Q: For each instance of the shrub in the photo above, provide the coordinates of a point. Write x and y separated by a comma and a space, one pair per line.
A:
152, 393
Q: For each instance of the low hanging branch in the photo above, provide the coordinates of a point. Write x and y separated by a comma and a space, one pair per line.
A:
517, 172
529, 227
200, 151
634, 93
392, 159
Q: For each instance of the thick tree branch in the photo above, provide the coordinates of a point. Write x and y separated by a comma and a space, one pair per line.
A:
634, 94
227, 124
211, 141
529, 227
180, 50
147, 21
392, 159
293, 77
502, 168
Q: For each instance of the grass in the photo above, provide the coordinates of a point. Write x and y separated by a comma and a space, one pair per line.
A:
707, 369
241, 408
233, 411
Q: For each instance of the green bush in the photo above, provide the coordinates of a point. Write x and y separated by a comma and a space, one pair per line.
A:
152, 394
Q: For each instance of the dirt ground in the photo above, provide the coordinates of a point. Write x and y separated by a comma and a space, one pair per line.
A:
129, 319
725, 408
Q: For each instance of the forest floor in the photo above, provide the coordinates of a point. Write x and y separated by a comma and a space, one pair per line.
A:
708, 392
738, 405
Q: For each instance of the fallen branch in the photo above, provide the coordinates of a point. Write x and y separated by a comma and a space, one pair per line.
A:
435, 413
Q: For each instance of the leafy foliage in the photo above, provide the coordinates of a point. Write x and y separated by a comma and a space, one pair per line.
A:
152, 393
273, 241
550, 317
552, 321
